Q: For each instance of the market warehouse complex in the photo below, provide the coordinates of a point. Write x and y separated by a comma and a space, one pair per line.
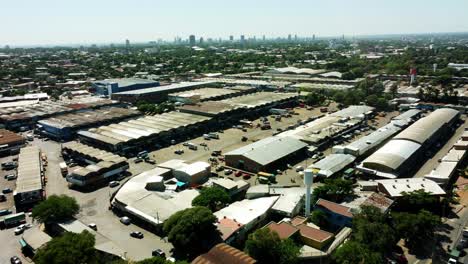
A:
134, 135
400, 154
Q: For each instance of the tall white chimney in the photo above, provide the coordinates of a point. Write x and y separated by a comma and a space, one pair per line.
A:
308, 180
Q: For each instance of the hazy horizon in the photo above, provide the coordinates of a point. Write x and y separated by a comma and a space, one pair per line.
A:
53, 22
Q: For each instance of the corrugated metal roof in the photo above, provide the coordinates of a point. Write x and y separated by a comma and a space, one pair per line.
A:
424, 128
29, 170
270, 149
393, 154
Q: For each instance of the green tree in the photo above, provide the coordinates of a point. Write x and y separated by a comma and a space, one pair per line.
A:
334, 190
212, 197
192, 231
353, 252
416, 201
266, 246
416, 229
315, 98
319, 218
55, 208
70, 248
370, 228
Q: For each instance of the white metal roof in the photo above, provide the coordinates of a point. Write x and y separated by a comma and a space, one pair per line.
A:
396, 187
393, 154
269, 149
247, 211
29, 170
332, 163
425, 127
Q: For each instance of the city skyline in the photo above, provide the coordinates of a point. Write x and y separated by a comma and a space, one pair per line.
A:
52, 22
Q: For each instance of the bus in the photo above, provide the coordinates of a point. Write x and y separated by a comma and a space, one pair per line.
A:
63, 168
14, 219
265, 176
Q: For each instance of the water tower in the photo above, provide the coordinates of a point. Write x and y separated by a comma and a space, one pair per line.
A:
308, 180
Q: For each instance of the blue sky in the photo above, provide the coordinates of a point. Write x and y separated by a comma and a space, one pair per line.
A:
32, 22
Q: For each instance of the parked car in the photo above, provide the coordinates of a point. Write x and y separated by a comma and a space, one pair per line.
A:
15, 260
220, 168
238, 174
20, 229
138, 160
93, 226
5, 212
244, 138
10, 176
158, 253
216, 153
185, 144
299, 168
150, 161
2, 198
7, 190
179, 152
246, 176
113, 184
227, 171
137, 234
203, 144
125, 220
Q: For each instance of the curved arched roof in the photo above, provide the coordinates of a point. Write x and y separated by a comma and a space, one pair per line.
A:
424, 128
391, 156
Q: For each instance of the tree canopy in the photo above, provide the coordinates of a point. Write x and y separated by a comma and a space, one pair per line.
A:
212, 197
416, 229
70, 248
353, 252
192, 231
266, 247
334, 190
55, 208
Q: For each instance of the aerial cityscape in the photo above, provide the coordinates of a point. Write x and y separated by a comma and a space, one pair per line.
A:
150, 132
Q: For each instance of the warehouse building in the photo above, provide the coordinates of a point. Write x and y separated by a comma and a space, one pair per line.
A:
363, 146
208, 94
103, 166
331, 165
132, 136
110, 86
259, 84
239, 218
236, 108
325, 129
152, 203
450, 163
157, 94
399, 156
29, 184
395, 188
23, 117
64, 127
263, 100
10, 142
266, 154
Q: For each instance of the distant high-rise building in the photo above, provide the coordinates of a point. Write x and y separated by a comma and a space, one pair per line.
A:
242, 39
7, 47
289, 38
127, 43
263, 38
295, 37
201, 40
192, 40
313, 37
342, 37
231, 38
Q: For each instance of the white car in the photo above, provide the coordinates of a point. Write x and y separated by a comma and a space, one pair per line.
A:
113, 184
125, 220
20, 229
299, 168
